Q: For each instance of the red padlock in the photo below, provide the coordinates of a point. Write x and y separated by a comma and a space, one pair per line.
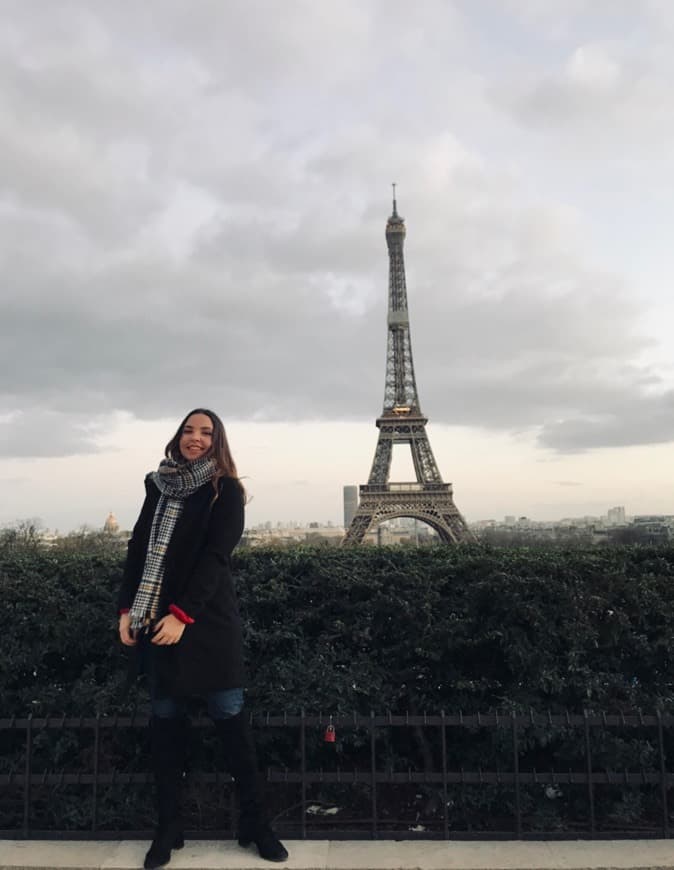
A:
329, 736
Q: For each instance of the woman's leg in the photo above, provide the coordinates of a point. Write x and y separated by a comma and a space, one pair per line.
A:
231, 723
168, 739
224, 703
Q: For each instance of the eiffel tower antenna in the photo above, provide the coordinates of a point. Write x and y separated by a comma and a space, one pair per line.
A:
429, 498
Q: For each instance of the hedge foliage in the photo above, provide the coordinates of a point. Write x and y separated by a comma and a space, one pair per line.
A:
369, 628
400, 629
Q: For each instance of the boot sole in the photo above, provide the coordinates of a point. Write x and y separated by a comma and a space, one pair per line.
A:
279, 860
178, 843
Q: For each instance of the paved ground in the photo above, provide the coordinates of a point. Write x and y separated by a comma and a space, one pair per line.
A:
351, 855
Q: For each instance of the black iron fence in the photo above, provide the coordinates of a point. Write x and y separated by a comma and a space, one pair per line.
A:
436, 798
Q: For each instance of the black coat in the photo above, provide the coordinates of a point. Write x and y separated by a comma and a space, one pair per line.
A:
197, 579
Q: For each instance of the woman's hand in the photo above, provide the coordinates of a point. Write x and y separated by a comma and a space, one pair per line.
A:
168, 630
126, 635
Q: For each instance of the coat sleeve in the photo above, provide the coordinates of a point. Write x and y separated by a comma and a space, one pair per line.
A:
135, 555
225, 527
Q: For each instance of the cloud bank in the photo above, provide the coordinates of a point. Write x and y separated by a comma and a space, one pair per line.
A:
193, 201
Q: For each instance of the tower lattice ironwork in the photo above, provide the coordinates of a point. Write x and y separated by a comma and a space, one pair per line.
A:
429, 499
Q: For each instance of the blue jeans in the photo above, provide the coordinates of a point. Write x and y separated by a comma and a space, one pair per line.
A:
222, 704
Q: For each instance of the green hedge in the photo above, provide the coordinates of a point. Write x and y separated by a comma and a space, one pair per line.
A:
370, 628
400, 629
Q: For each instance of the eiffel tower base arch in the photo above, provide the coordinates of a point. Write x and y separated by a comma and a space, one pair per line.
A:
430, 503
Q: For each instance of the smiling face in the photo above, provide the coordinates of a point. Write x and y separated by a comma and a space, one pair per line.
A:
196, 438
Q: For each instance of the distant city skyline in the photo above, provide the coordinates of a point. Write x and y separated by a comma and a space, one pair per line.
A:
615, 515
192, 213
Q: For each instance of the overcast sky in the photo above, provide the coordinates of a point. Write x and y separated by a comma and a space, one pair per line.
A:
193, 198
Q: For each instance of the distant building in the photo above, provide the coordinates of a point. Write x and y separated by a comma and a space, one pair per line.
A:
616, 516
111, 526
292, 533
654, 529
48, 537
350, 504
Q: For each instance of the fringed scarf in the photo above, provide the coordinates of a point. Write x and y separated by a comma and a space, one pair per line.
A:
176, 481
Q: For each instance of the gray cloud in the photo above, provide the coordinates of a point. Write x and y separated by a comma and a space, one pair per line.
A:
38, 433
630, 421
192, 211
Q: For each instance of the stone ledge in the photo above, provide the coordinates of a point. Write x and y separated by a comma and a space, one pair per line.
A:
349, 855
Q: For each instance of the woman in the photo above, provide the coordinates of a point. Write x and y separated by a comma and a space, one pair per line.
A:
177, 605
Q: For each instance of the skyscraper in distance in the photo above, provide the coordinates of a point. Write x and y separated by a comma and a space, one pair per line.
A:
350, 504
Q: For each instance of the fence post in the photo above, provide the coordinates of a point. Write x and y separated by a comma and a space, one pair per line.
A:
443, 743
303, 756
663, 776
28, 769
97, 751
588, 763
516, 770
373, 775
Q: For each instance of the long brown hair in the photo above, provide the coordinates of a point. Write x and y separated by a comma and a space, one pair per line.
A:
219, 452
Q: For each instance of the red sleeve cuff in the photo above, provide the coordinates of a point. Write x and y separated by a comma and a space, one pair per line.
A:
180, 614
124, 610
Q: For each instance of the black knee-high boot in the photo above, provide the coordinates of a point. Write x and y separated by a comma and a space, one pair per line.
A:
241, 761
168, 744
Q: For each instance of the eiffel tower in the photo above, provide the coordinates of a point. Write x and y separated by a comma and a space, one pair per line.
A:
401, 422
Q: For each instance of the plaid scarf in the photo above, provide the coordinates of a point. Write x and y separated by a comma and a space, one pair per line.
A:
176, 481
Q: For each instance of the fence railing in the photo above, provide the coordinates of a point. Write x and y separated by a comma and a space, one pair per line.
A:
373, 820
